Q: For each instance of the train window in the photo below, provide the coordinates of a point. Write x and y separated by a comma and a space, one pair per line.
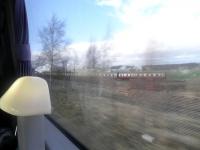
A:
88, 49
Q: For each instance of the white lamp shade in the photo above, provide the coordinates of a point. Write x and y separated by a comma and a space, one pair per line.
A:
27, 96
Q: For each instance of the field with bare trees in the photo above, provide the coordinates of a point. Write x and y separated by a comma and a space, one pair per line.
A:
135, 88
117, 114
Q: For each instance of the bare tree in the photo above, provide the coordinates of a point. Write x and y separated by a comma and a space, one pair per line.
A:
38, 61
65, 62
106, 47
92, 57
52, 41
74, 59
105, 61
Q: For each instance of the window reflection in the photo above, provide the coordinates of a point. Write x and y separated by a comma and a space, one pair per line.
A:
135, 88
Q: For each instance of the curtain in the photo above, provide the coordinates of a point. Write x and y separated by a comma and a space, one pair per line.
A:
22, 39
15, 55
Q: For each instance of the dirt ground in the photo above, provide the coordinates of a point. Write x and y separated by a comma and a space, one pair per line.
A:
116, 115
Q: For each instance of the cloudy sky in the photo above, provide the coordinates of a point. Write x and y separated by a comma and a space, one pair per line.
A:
141, 31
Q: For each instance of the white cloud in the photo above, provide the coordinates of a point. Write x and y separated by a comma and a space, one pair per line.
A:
80, 49
173, 24
34, 54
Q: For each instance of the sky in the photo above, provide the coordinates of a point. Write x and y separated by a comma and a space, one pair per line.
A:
141, 31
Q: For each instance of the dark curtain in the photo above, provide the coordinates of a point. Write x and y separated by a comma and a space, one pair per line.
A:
8, 60
15, 55
22, 38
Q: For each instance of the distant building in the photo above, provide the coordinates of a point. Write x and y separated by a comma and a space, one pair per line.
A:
167, 67
123, 68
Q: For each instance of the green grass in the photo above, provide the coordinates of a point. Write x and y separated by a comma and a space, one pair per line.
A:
183, 75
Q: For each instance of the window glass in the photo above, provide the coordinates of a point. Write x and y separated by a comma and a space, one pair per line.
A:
123, 74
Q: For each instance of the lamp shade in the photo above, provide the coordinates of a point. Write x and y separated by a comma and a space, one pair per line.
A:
27, 96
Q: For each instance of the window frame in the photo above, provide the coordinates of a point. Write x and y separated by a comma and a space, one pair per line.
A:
66, 133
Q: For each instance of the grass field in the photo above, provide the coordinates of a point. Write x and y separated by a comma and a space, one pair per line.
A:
115, 115
183, 75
